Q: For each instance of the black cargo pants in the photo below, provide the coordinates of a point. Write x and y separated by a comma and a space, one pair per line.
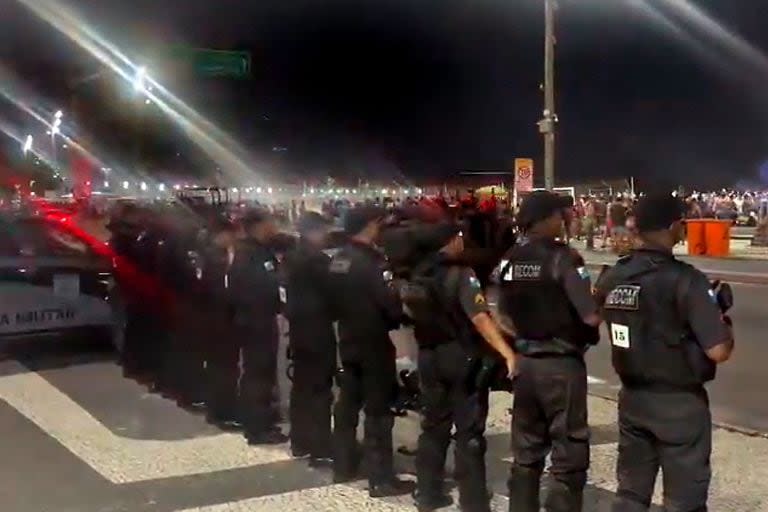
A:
258, 384
311, 401
667, 430
223, 365
550, 413
368, 383
450, 397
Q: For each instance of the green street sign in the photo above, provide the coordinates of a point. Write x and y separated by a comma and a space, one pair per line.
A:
214, 63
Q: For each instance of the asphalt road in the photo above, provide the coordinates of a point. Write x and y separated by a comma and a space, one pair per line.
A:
737, 395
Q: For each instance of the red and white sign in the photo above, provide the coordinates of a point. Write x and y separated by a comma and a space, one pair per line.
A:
523, 174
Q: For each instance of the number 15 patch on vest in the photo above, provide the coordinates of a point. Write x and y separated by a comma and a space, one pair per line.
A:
620, 335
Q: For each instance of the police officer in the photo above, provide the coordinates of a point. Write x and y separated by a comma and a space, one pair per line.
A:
255, 292
312, 342
125, 227
367, 309
223, 349
188, 350
546, 297
667, 334
452, 326
155, 290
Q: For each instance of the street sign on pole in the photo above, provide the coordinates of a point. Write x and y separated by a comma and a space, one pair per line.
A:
214, 63
523, 174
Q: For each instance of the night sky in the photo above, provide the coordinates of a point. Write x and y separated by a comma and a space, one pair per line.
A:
432, 87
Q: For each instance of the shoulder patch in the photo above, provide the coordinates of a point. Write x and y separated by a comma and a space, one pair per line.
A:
340, 266
583, 272
480, 299
624, 297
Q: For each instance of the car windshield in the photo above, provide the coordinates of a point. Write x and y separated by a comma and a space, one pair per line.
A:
38, 237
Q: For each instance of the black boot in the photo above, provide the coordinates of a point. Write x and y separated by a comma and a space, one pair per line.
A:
391, 487
431, 502
523, 487
563, 497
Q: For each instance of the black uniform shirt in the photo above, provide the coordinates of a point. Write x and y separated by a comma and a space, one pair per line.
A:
254, 283
367, 305
703, 313
470, 293
576, 281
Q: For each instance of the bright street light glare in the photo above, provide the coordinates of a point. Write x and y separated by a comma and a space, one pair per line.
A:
55, 130
139, 81
27, 144
59, 114
126, 185
143, 186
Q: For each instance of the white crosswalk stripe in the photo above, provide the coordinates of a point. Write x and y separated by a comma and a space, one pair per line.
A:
118, 459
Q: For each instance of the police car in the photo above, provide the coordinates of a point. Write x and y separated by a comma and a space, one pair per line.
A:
53, 280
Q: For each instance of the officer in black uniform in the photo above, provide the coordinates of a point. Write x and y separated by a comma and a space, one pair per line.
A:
312, 342
187, 355
255, 291
156, 291
367, 309
667, 335
125, 228
454, 329
546, 297
223, 349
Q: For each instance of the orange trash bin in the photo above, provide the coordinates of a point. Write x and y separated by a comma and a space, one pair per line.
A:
695, 235
717, 238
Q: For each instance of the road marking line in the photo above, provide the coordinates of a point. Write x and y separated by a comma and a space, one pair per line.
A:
121, 460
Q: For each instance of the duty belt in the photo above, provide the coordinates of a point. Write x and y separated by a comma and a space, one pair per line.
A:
547, 348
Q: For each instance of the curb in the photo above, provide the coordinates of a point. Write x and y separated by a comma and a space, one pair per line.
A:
725, 276
748, 432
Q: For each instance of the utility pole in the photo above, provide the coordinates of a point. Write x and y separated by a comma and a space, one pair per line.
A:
549, 119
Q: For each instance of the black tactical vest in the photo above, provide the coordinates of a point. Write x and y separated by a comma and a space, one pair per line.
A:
533, 297
652, 345
431, 299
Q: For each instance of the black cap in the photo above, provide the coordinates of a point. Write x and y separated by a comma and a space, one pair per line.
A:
540, 205
357, 219
311, 221
255, 217
658, 212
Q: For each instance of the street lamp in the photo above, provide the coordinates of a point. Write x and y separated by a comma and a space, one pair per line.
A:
140, 80
27, 147
56, 124
549, 119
